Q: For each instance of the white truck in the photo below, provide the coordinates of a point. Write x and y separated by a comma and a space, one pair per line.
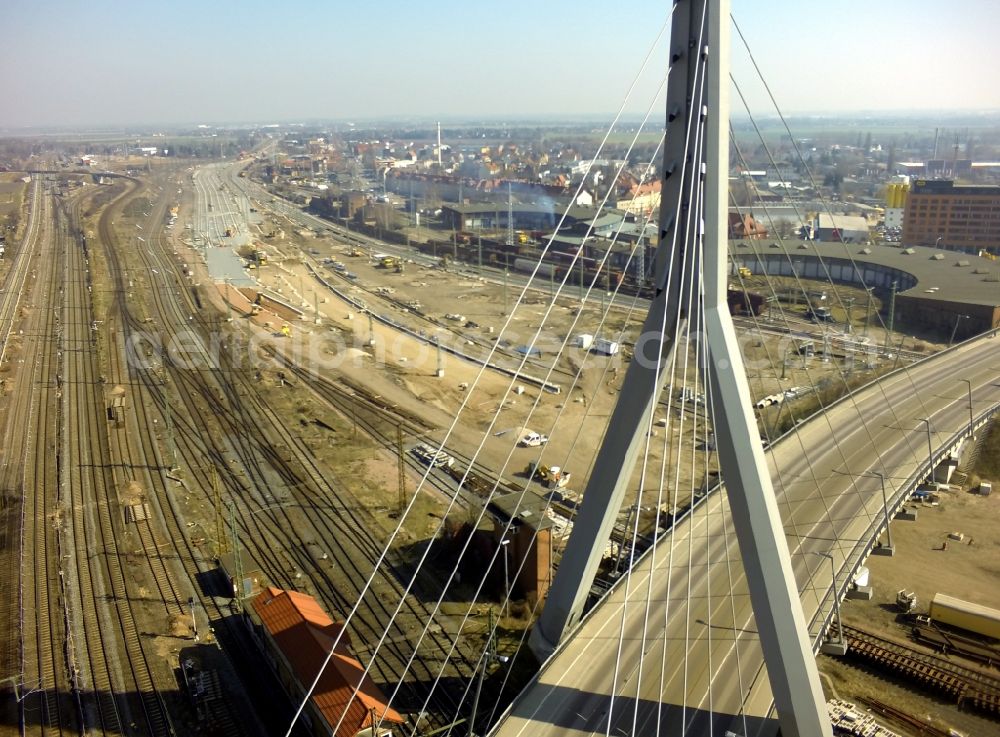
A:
607, 347
533, 439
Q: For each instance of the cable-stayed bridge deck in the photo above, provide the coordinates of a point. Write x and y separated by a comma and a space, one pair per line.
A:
712, 661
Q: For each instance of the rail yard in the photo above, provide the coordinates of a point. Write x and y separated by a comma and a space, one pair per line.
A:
180, 431
151, 438
130, 468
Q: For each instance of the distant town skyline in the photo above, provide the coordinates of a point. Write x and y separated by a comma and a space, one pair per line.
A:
110, 62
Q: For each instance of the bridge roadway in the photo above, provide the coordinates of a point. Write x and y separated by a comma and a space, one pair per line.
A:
828, 498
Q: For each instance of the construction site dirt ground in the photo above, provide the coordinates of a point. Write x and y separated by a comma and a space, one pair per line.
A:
465, 311
493, 404
969, 570
407, 375
487, 410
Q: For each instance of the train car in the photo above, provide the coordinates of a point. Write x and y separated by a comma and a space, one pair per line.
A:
527, 265
744, 303
966, 615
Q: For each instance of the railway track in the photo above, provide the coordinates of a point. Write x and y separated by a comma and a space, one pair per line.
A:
222, 421
204, 401
171, 564
46, 707
102, 710
919, 726
128, 699
969, 688
334, 516
383, 421
151, 407
13, 511
67, 664
946, 642
106, 684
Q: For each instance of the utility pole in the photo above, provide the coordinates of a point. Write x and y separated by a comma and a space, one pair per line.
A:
868, 310
402, 467
440, 358
490, 656
170, 428
972, 422
221, 539
480, 254
510, 216
849, 303
236, 557
834, 646
504, 292
886, 549
194, 622
892, 314
930, 450
371, 330
640, 266
958, 318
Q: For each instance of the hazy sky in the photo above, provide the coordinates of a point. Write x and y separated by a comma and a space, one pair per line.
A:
96, 62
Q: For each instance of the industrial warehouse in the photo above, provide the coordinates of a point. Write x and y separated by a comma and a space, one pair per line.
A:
945, 291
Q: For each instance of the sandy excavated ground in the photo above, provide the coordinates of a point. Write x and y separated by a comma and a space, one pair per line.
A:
405, 367
487, 407
969, 570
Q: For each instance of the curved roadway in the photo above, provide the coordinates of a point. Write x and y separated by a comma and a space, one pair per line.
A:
680, 592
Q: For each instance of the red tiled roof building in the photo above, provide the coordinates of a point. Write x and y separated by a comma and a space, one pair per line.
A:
295, 635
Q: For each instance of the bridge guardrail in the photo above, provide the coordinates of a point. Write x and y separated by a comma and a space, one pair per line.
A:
862, 549
867, 541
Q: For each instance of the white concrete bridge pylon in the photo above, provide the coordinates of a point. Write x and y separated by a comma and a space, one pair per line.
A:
695, 186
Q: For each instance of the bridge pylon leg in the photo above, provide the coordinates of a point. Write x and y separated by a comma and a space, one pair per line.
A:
780, 621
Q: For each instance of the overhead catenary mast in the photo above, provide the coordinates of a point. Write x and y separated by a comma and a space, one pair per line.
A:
510, 216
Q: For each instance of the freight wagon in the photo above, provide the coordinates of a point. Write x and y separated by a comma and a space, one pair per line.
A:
527, 265
965, 615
